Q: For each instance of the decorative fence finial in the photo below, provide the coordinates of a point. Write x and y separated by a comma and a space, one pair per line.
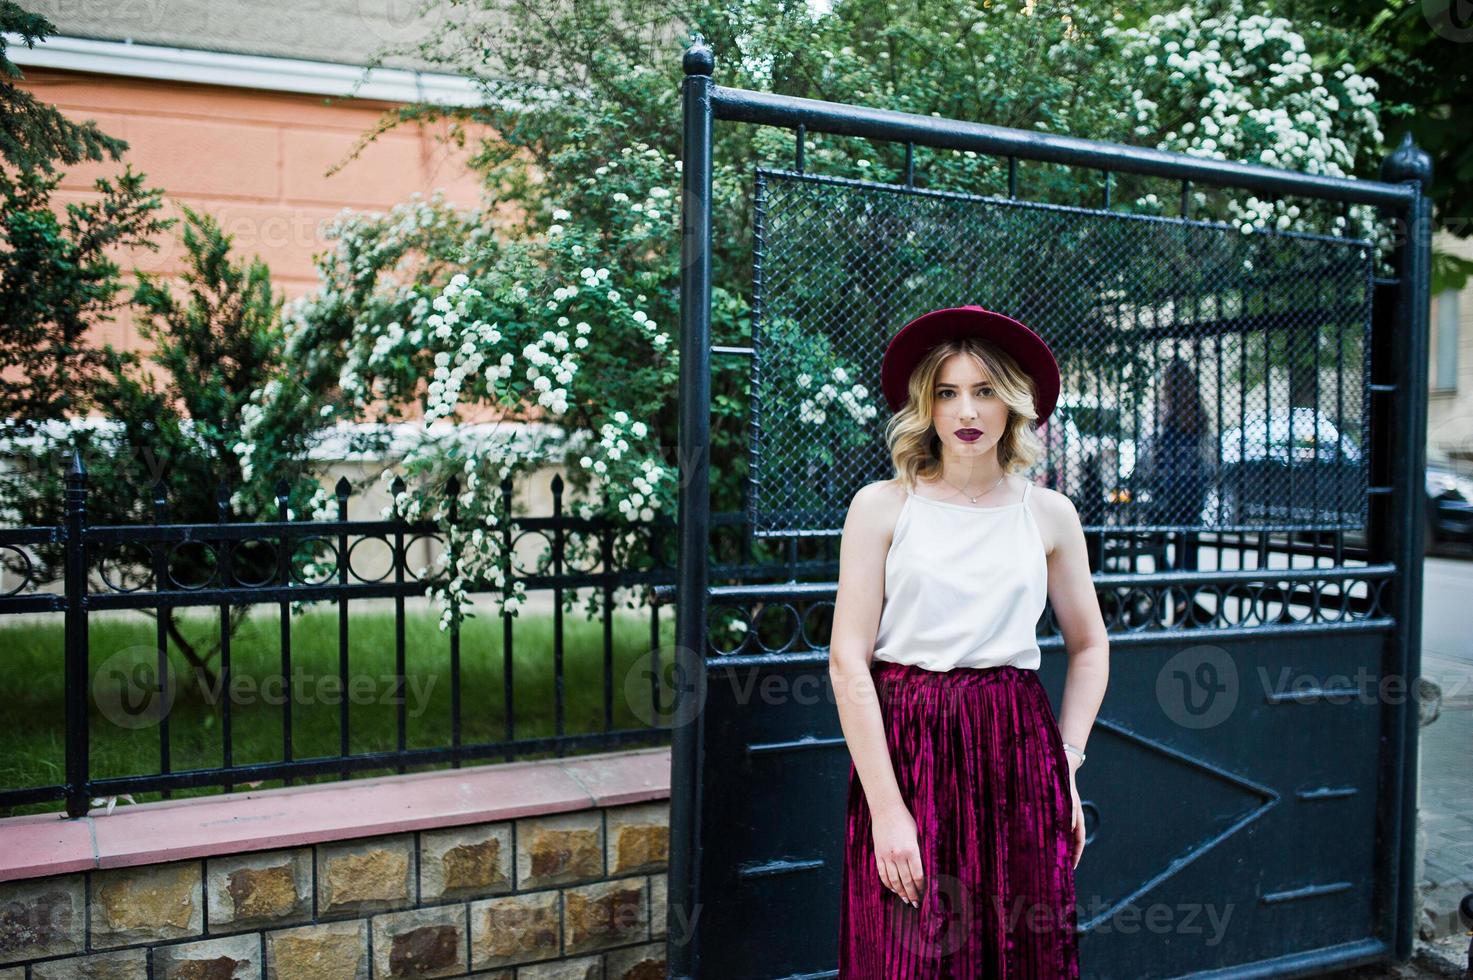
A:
1408, 162
699, 58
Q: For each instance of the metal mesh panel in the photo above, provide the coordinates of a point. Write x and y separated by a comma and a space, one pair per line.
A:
1260, 337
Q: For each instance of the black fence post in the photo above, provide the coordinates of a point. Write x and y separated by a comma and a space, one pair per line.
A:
163, 583
400, 560
559, 546
453, 551
1413, 260
694, 504
284, 618
77, 733
342, 490
508, 658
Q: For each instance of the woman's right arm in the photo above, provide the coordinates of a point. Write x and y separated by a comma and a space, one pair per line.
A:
857, 604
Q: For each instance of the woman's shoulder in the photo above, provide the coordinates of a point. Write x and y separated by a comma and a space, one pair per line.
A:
880, 496
1055, 513
877, 505
1047, 496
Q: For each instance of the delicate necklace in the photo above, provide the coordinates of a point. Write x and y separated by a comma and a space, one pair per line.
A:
964, 493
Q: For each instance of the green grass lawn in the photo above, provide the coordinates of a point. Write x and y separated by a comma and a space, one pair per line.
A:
32, 742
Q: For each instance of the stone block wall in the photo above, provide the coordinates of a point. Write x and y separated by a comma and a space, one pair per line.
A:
578, 894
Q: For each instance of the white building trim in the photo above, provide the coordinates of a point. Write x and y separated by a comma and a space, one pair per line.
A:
252, 71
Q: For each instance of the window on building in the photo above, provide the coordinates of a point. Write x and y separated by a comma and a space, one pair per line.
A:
1445, 341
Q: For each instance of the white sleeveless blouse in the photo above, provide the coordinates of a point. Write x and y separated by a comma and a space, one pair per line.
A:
964, 586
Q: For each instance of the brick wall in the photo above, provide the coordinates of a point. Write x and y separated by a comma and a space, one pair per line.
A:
578, 894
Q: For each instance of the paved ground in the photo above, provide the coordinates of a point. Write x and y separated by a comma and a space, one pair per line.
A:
1439, 959
1444, 960
1447, 747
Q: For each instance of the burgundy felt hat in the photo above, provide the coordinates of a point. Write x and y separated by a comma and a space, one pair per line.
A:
913, 340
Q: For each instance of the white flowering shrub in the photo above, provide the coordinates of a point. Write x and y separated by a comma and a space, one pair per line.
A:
382, 271
1246, 86
422, 315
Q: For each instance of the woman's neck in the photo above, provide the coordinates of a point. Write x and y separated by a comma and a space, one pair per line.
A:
976, 474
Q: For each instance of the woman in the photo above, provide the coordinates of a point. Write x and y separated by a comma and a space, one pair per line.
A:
964, 825
1176, 462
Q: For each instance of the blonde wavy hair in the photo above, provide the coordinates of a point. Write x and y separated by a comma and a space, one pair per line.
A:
915, 447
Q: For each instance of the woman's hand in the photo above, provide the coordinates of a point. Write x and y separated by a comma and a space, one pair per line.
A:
898, 853
1076, 820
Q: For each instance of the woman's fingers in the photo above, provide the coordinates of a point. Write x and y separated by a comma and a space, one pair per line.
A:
896, 876
918, 875
889, 875
1078, 834
1076, 823
909, 892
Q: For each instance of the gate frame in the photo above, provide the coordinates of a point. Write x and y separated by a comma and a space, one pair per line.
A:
1395, 533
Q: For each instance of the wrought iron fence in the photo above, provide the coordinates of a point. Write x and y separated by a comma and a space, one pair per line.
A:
228, 566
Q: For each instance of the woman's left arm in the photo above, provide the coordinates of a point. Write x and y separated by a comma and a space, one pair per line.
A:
1076, 608
1071, 593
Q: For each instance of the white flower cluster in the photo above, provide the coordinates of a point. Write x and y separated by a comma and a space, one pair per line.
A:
407, 504
387, 339
658, 337
324, 504
550, 354
368, 241
466, 339
658, 204
1253, 91
595, 283
638, 148
251, 414
854, 400
475, 558
472, 550
650, 209
639, 499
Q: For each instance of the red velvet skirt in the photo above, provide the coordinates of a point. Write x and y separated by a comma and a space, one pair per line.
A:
981, 765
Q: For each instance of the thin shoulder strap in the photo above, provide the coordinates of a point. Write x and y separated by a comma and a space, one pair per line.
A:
1027, 485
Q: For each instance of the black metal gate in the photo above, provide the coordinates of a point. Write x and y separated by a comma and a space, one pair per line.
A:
1251, 790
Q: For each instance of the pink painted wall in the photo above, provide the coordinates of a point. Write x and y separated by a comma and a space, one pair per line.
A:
255, 160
